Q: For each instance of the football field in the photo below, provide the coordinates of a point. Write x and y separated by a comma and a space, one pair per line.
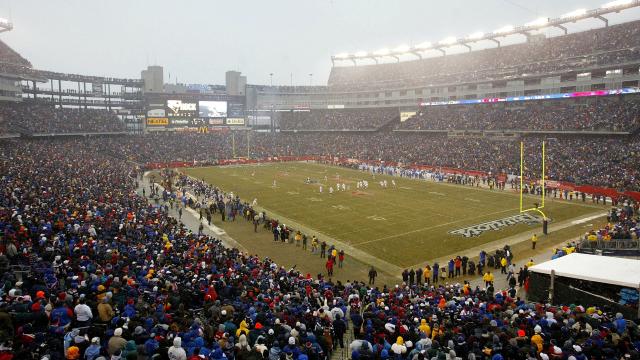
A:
408, 224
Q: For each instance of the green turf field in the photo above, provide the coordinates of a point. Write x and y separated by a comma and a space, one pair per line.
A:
404, 226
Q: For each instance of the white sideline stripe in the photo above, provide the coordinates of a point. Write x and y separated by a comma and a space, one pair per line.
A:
216, 230
589, 218
432, 227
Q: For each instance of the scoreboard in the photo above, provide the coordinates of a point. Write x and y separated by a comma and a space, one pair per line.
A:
165, 111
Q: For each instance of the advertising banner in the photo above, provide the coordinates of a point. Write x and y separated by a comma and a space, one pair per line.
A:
157, 121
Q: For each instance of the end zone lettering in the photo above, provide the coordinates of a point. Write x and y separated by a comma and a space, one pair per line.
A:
495, 225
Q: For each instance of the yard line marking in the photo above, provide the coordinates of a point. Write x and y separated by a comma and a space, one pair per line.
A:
470, 199
432, 227
437, 193
589, 218
376, 218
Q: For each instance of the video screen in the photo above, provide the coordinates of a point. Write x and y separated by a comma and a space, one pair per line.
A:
212, 109
180, 108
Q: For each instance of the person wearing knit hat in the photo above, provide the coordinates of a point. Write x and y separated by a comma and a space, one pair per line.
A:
176, 352
536, 339
398, 347
73, 353
116, 342
93, 351
557, 353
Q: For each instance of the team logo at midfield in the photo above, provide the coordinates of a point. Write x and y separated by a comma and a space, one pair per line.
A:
495, 225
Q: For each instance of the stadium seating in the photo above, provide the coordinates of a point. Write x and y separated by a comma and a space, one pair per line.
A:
605, 46
609, 114
349, 119
136, 283
44, 118
11, 62
611, 162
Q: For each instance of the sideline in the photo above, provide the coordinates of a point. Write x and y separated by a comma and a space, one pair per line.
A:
194, 222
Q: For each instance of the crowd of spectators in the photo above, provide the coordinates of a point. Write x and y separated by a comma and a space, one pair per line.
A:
343, 119
623, 224
11, 62
106, 275
610, 162
604, 46
611, 113
45, 118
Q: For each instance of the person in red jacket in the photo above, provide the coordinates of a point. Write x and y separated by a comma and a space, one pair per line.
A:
329, 266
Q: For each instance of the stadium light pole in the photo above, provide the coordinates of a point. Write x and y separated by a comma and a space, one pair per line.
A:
271, 78
310, 79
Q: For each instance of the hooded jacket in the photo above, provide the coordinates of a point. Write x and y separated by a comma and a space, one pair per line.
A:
176, 352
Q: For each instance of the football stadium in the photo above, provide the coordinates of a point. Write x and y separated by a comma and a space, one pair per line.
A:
455, 197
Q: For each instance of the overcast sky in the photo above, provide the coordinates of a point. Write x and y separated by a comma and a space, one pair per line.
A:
198, 40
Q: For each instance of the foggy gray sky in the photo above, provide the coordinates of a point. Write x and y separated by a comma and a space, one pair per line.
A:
198, 40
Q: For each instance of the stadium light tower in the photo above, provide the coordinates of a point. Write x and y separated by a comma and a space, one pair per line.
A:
613, 6
5, 25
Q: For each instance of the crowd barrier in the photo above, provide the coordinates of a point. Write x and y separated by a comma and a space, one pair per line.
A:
620, 247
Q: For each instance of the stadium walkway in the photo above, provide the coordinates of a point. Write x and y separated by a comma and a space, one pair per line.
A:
191, 219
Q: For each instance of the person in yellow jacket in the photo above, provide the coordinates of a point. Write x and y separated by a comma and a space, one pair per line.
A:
426, 273
243, 329
424, 327
487, 278
503, 265
536, 339
534, 240
530, 263
298, 237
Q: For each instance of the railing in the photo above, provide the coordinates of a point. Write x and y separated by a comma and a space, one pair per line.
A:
609, 246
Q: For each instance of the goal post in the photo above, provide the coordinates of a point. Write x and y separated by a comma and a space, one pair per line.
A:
537, 208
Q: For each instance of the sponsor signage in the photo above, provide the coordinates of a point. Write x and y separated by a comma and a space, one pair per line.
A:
181, 108
495, 225
622, 91
157, 121
235, 121
156, 113
405, 115
216, 121
180, 122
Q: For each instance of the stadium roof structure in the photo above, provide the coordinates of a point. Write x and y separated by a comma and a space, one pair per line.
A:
600, 269
538, 24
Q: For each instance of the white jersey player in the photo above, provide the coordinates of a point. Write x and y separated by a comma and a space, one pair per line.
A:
274, 183
344, 187
330, 189
255, 201
320, 189
393, 183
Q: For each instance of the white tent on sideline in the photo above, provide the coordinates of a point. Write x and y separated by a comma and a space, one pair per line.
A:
601, 269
